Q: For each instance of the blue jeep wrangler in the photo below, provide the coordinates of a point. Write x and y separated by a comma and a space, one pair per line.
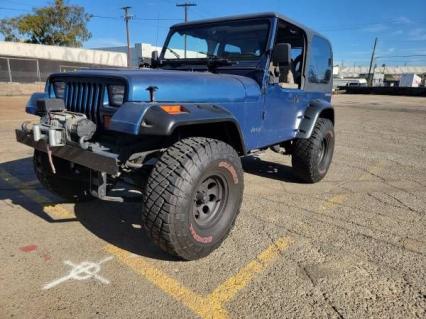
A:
220, 89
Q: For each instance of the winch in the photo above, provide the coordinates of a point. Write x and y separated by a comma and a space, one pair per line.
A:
58, 126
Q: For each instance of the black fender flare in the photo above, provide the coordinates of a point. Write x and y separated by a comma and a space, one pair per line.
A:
311, 115
158, 122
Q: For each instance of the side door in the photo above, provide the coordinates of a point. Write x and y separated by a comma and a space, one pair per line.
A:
282, 107
284, 99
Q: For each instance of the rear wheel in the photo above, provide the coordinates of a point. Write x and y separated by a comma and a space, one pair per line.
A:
193, 196
70, 183
312, 157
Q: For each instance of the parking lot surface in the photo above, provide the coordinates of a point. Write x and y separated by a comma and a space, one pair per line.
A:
351, 246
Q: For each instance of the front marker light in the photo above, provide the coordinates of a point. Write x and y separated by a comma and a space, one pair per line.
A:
116, 94
59, 89
173, 109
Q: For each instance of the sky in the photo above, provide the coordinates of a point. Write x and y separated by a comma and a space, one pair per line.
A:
351, 26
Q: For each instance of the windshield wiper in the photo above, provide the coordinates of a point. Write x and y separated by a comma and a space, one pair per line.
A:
214, 62
174, 52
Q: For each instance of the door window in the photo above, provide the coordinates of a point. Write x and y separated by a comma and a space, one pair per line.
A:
320, 64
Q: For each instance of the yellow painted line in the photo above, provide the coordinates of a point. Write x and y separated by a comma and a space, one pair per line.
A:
336, 200
54, 210
198, 304
31, 183
234, 284
213, 304
58, 211
339, 199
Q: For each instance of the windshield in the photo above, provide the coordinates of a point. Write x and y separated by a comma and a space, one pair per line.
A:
240, 40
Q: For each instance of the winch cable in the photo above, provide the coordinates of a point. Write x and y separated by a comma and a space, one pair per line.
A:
49, 156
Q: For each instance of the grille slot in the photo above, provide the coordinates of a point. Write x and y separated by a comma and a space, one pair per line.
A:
84, 97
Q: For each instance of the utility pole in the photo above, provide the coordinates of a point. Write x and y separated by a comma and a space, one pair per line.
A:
186, 5
127, 17
371, 76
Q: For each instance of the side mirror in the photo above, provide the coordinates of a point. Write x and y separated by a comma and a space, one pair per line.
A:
154, 58
281, 55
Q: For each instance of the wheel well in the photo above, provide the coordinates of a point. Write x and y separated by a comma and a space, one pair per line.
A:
223, 131
327, 114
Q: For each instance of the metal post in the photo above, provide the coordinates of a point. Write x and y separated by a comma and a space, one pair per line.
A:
127, 17
185, 6
10, 72
38, 71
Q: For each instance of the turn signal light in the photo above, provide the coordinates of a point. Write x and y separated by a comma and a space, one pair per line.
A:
173, 109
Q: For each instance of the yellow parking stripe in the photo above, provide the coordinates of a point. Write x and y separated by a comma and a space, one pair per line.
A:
212, 305
54, 210
230, 287
336, 200
339, 199
197, 303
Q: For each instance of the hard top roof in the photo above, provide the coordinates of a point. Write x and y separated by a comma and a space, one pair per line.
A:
248, 16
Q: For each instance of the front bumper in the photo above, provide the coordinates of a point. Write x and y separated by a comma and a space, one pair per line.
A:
98, 162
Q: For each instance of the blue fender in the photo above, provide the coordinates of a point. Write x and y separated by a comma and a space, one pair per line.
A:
311, 115
149, 119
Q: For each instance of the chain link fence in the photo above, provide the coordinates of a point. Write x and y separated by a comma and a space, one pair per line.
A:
25, 70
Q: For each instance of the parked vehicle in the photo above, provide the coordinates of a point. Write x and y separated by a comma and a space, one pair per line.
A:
220, 89
410, 80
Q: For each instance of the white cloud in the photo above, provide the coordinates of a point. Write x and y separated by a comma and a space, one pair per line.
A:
418, 34
402, 20
376, 28
104, 43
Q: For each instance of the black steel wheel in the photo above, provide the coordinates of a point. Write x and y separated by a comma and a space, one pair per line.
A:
312, 157
210, 200
193, 196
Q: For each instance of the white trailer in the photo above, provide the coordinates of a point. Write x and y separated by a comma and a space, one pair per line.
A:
410, 80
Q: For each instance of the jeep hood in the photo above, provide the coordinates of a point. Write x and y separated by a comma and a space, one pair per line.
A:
182, 86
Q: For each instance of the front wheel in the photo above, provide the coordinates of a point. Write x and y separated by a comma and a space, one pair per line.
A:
312, 157
193, 196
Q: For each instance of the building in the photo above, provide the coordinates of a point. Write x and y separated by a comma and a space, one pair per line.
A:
24, 62
141, 51
383, 76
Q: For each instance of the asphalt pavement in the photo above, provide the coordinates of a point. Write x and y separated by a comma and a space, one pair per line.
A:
351, 246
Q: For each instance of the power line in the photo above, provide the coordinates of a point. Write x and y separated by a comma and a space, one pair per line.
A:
13, 9
401, 56
134, 18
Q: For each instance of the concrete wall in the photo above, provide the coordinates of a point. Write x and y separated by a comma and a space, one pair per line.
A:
16, 89
50, 52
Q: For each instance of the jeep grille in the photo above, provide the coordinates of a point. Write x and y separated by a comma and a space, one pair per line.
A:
84, 97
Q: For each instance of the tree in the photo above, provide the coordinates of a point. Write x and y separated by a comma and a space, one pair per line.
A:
55, 24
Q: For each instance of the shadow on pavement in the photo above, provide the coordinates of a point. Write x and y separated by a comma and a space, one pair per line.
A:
256, 166
117, 223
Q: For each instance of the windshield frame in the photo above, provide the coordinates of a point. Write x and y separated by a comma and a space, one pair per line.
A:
238, 63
